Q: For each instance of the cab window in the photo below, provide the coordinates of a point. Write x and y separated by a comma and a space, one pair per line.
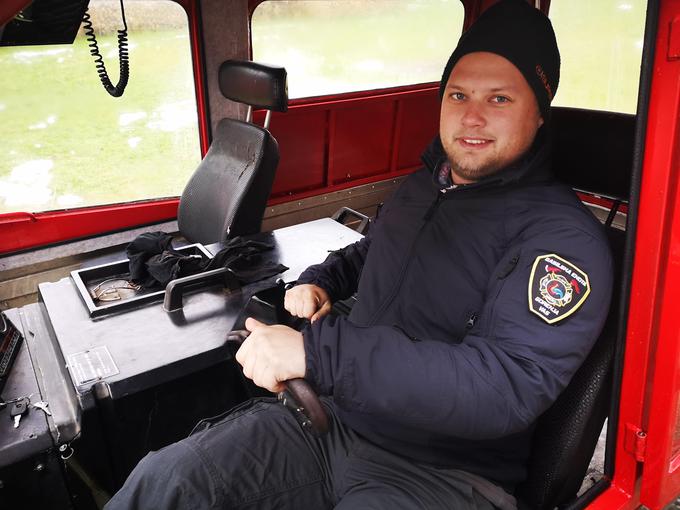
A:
601, 48
350, 45
66, 143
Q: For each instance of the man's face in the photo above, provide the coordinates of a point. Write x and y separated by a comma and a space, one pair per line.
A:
489, 116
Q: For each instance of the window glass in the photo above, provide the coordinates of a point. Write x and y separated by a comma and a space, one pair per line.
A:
601, 47
66, 143
350, 45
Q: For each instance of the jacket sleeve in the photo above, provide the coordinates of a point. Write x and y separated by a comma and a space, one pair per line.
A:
505, 372
339, 273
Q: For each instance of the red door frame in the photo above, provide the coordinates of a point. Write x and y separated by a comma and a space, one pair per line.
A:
649, 391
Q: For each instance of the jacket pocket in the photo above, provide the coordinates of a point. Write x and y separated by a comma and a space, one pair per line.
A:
499, 278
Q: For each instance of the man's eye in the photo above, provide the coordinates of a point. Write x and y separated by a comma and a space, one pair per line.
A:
457, 96
501, 99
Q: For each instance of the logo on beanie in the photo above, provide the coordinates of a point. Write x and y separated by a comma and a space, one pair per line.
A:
544, 80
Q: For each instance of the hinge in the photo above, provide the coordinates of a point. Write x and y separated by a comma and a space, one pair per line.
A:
635, 442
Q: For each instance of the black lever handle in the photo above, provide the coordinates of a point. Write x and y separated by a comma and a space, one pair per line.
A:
175, 289
298, 397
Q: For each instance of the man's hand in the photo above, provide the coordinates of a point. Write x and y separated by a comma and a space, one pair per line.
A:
271, 355
308, 301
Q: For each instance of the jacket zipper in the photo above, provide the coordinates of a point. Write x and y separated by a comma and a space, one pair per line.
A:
426, 218
395, 290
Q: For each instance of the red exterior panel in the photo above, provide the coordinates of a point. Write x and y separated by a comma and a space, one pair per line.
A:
650, 380
661, 204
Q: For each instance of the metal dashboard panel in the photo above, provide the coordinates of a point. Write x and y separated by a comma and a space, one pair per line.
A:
146, 346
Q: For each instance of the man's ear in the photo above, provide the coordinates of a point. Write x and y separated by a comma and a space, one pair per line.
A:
540, 121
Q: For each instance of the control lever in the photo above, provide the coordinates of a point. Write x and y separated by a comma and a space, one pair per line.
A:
298, 397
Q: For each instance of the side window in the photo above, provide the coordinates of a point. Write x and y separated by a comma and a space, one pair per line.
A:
601, 48
352, 45
66, 143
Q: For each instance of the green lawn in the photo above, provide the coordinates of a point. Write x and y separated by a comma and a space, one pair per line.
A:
66, 143
79, 146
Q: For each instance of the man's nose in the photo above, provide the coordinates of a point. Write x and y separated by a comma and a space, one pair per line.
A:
473, 115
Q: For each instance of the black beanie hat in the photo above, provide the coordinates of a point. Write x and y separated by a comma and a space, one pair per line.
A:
522, 34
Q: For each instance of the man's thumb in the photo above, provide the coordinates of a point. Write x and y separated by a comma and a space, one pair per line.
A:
253, 324
325, 308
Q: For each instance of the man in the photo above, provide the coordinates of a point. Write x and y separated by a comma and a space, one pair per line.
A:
481, 288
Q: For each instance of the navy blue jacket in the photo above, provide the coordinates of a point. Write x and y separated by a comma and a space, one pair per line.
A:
441, 359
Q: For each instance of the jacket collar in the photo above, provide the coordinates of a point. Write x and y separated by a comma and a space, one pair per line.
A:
534, 166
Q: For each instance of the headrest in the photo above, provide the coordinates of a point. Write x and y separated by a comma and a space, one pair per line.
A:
593, 150
258, 85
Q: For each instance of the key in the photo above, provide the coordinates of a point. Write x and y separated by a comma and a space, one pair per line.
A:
43, 406
19, 408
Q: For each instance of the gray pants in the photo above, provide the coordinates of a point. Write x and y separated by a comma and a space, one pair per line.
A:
258, 457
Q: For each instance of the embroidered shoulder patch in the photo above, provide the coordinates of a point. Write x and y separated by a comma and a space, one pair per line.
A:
557, 288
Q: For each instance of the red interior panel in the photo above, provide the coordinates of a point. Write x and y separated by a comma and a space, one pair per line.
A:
336, 142
303, 138
360, 141
419, 125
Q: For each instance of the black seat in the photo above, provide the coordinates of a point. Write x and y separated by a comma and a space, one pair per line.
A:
593, 152
227, 194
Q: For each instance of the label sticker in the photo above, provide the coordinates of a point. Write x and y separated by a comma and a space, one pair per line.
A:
557, 288
92, 365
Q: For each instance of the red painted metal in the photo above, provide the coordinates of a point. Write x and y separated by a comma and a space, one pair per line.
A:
335, 142
602, 202
10, 8
193, 13
20, 231
416, 112
635, 442
360, 146
674, 39
613, 498
661, 182
651, 358
303, 144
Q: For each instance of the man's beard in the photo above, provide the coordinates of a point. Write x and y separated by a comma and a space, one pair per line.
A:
475, 173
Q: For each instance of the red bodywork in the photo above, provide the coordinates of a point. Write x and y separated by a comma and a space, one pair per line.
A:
325, 136
649, 394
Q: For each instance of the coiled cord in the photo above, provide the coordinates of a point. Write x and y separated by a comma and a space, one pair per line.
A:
123, 55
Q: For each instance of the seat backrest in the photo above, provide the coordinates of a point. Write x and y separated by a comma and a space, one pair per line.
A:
593, 152
227, 194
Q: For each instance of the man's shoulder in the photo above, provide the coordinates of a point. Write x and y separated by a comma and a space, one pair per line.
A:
554, 204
